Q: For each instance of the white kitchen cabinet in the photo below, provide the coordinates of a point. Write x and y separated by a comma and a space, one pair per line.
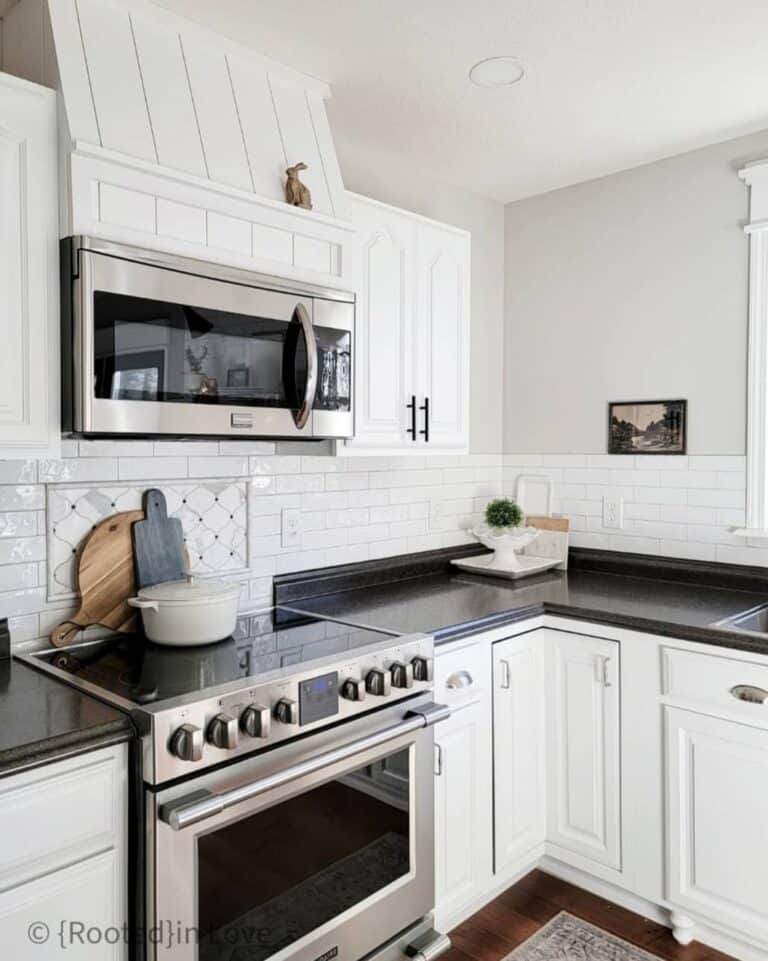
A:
584, 775
29, 360
64, 857
518, 749
463, 786
717, 821
412, 332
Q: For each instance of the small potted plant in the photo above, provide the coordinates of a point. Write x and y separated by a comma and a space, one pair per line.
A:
503, 531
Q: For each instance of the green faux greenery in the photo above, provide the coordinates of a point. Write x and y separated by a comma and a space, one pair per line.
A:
503, 512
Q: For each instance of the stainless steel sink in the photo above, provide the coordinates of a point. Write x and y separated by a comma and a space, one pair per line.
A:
750, 622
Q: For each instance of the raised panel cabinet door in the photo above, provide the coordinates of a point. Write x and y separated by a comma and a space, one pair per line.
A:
442, 337
462, 835
518, 750
584, 763
77, 912
29, 360
717, 820
383, 326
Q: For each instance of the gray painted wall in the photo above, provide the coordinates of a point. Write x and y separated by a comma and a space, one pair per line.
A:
632, 286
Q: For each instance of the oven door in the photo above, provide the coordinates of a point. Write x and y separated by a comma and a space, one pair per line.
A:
163, 351
321, 848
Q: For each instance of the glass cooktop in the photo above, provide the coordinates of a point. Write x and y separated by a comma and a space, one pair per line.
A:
139, 671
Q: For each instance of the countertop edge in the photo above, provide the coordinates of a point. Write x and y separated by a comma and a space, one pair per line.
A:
25, 757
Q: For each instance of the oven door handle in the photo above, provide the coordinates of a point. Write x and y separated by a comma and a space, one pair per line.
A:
196, 807
302, 415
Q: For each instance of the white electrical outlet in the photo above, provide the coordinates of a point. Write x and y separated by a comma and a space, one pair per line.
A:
291, 527
613, 511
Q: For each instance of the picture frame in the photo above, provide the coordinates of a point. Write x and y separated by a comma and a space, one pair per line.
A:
238, 377
648, 427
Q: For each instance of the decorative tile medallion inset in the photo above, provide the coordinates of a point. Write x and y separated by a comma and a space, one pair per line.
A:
214, 516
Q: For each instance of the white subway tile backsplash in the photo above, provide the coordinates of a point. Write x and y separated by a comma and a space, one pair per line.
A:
218, 466
18, 524
18, 471
78, 469
152, 468
27, 497
16, 550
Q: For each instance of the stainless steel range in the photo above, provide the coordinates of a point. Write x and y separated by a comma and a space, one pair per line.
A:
288, 788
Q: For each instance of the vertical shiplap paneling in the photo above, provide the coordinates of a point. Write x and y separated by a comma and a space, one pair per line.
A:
73, 72
171, 111
217, 116
333, 178
260, 129
300, 142
118, 93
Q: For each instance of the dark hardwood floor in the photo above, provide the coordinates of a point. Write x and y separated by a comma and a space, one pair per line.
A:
504, 923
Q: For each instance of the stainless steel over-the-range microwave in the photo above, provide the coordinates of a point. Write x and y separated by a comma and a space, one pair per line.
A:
156, 345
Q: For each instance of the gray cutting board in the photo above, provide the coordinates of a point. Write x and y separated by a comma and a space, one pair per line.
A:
158, 543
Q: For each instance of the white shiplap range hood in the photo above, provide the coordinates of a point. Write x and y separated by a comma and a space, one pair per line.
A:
178, 139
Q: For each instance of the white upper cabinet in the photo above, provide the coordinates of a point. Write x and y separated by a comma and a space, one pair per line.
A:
384, 325
29, 374
442, 331
412, 367
584, 777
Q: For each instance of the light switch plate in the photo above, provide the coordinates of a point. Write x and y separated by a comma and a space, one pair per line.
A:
291, 527
613, 511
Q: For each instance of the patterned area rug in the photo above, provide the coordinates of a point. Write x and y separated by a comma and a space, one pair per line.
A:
566, 938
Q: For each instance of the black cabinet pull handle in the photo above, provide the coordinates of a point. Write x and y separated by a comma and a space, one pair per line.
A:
425, 408
412, 408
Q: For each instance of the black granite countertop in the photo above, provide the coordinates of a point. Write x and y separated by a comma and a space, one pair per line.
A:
453, 605
43, 720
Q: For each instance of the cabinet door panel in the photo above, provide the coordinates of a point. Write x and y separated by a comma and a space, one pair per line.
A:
717, 784
383, 327
518, 749
443, 286
584, 761
28, 271
83, 905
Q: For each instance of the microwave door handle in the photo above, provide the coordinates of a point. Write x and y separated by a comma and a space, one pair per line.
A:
201, 805
302, 415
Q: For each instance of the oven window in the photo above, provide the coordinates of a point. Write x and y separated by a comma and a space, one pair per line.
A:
152, 350
269, 879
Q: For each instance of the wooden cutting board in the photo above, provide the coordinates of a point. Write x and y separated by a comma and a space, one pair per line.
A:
105, 578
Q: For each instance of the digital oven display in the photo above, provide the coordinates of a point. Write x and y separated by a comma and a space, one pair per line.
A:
318, 698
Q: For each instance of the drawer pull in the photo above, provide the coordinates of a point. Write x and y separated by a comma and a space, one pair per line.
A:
460, 679
748, 692
506, 675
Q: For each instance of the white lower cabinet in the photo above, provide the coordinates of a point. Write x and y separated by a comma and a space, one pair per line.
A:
63, 861
717, 821
518, 749
458, 800
584, 775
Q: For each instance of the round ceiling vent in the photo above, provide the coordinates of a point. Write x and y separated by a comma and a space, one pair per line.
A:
497, 72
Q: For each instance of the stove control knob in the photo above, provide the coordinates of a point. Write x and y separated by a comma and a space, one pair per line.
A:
187, 743
287, 711
353, 689
222, 732
378, 682
256, 721
402, 674
422, 668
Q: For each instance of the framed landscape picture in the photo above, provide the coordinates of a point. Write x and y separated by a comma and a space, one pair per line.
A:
647, 427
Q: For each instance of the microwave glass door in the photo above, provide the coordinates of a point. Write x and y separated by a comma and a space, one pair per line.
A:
269, 879
159, 351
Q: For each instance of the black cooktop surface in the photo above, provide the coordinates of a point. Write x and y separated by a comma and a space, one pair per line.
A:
138, 671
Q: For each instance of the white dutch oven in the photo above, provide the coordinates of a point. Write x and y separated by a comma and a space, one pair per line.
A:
189, 612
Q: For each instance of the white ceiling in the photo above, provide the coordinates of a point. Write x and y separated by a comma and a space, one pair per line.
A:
610, 84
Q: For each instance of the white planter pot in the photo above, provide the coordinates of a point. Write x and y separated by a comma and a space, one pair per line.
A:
506, 543
189, 612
